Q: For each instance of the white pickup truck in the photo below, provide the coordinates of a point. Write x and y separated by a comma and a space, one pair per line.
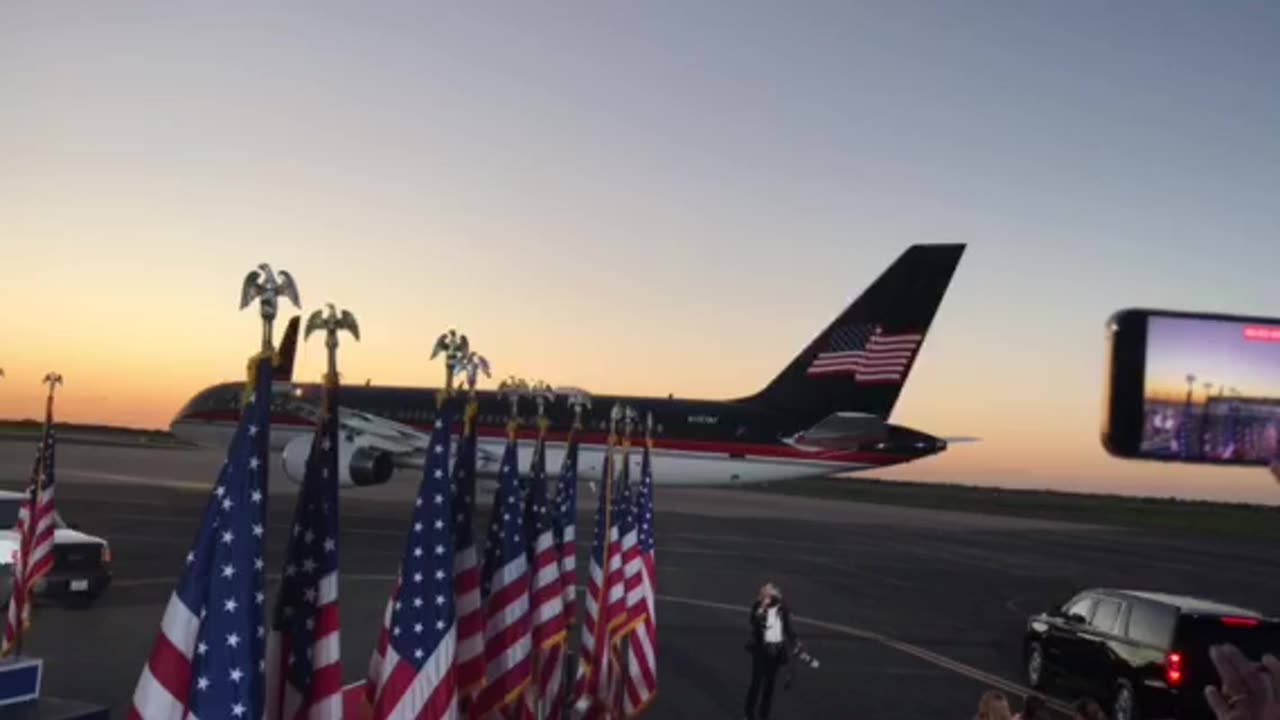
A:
81, 562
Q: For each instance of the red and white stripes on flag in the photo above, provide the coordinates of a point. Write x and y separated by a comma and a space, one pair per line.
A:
641, 676
566, 528
304, 663
633, 609
866, 353
546, 596
412, 671
505, 584
35, 528
208, 659
604, 607
466, 566
285, 700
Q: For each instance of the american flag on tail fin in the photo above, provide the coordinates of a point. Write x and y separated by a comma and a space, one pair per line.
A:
641, 674
867, 353
466, 559
505, 589
604, 606
546, 596
35, 529
304, 664
207, 661
412, 670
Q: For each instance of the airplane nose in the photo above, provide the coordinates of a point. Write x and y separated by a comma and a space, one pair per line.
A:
940, 444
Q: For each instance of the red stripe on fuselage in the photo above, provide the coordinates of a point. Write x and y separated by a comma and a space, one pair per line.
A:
711, 447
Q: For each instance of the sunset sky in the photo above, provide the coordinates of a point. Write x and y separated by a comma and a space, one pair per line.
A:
643, 198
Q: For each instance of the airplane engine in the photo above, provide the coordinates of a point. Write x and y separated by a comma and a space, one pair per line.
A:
358, 465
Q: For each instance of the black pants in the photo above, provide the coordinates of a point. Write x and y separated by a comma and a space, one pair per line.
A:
765, 662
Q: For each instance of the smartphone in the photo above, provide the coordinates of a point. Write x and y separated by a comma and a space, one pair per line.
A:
1192, 387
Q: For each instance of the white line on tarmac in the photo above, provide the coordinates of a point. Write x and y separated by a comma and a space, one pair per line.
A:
920, 653
927, 655
134, 479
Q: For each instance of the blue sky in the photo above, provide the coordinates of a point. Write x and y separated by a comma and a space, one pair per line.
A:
664, 197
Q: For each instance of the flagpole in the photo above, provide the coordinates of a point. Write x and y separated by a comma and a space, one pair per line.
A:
602, 630
53, 380
623, 642
570, 619
540, 704
578, 400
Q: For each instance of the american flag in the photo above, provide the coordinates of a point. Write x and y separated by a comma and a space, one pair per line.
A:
304, 666
207, 660
565, 525
35, 537
867, 354
1184, 431
631, 610
604, 606
1229, 433
505, 589
641, 677
466, 564
546, 596
412, 671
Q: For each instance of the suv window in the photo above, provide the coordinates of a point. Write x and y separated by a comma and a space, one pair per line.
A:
1152, 624
1104, 618
9, 509
1081, 605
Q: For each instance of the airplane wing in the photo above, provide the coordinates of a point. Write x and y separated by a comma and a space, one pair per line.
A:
405, 444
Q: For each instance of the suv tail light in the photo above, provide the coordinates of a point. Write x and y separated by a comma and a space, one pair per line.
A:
1240, 622
1173, 669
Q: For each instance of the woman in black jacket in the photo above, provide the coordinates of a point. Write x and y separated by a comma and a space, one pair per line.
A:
771, 640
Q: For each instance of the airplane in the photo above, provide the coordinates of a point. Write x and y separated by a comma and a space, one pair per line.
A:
825, 413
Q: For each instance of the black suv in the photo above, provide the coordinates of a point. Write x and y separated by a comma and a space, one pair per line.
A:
1145, 654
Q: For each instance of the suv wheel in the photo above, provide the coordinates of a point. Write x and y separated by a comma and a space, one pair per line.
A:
1125, 705
1035, 666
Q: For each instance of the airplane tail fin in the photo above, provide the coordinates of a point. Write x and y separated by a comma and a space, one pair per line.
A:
861, 361
283, 371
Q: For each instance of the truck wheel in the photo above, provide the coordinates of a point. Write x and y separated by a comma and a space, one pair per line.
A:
1035, 667
1125, 706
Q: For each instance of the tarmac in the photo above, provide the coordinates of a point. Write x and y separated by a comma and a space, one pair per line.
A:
913, 613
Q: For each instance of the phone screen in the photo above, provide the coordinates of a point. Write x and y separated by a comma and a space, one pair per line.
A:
1211, 389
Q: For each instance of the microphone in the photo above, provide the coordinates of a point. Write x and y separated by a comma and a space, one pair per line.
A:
802, 654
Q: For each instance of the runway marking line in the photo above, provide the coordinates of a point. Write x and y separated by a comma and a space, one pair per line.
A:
920, 653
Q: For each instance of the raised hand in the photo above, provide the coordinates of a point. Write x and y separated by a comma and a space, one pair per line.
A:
1248, 692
